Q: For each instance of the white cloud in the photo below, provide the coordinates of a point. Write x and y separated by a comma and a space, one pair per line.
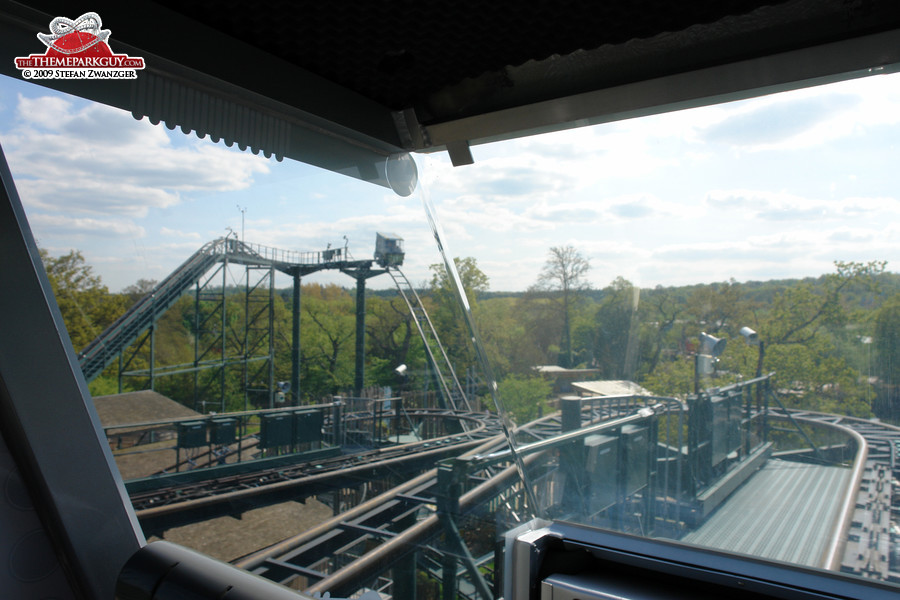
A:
98, 159
768, 205
648, 199
80, 195
191, 235
806, 118
61, 225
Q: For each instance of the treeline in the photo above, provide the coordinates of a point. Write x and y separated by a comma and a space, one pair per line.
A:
833, 341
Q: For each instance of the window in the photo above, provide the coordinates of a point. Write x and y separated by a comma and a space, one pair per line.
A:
705, 300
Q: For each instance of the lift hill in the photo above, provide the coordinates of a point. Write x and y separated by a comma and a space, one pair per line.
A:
136, 325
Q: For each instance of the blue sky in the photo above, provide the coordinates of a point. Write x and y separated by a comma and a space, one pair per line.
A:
779, 186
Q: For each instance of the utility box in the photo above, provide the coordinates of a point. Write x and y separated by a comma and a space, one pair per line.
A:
331, 255
222, 432
602, 458
275, 430
388, 250
191, 434
635, 458
308, 426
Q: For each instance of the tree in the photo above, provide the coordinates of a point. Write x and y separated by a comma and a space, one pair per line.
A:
524, 396
800, 312
887, 352
563, 275
661, 309
392, 340
139, 289
86, 305
617, 330
327, 340
473, 280
716, 307
446, 313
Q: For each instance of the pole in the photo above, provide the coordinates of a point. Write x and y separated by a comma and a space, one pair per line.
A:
243, 210
360, 334
295, 341
696, 374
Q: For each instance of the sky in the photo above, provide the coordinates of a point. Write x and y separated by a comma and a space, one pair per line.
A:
774, 187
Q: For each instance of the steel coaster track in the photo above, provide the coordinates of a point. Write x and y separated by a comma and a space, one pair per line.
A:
875, 502
185, 503
302, 556
405, 529
484, 426
452, 392
126, 329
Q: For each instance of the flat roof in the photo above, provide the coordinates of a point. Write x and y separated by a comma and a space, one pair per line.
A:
138, 407
787, 512
611, 388
558, 369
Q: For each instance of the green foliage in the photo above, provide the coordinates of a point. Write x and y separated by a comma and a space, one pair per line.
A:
86, 305
612, 334
327, 342
563, 276
392, 340
446, 313
887, 347
473, 281
812, 332
507, 338
524, 396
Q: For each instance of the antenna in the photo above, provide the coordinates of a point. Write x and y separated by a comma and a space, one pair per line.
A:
243, 210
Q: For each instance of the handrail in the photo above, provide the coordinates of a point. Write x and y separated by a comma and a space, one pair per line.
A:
834, 554
551, 442
225, 415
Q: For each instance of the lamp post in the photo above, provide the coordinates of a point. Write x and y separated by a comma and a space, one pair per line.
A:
752, 338
867, 341
710, 348
402, 372
243, 210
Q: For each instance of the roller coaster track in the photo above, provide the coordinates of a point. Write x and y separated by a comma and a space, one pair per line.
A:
390, 527
451, 390
184, 503
394, 520
143, 313
875, 500
126, 329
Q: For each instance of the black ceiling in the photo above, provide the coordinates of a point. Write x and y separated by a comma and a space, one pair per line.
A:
398, 52
343, 84
449, 59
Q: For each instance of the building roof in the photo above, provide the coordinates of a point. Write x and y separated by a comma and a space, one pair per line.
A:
610, 388
556, 369
138, 407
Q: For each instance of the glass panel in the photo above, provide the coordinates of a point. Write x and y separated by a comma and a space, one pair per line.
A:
690, 320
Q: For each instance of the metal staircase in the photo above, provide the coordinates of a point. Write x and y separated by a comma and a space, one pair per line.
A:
451, 391
126, 329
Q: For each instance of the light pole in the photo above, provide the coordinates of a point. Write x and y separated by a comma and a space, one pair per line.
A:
710, 348
243, 210
752, 338
867, 341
